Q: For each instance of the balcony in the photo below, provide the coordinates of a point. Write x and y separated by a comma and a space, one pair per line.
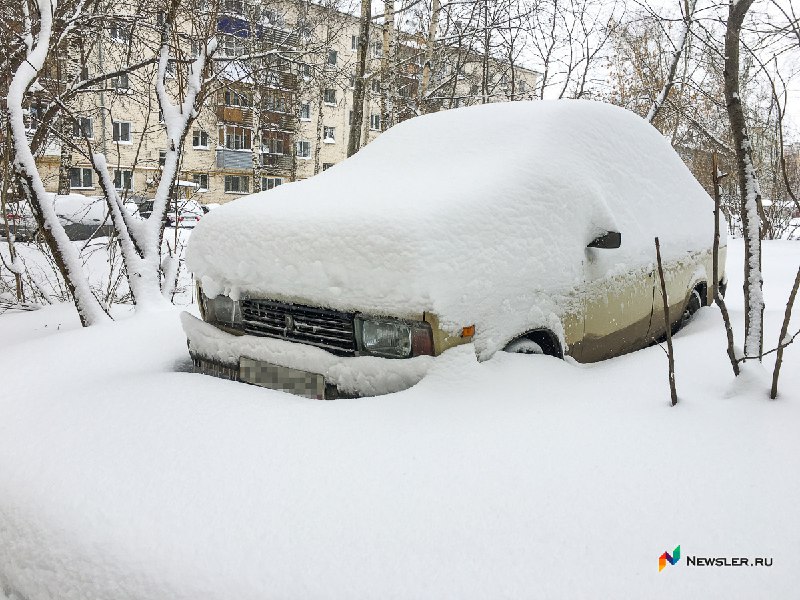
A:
276, 162
235, 114
234, 159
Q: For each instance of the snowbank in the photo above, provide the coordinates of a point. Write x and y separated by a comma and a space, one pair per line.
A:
474, 214
122, 477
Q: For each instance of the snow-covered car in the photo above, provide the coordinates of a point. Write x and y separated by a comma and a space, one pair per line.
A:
525, 227
81, 216
187, 213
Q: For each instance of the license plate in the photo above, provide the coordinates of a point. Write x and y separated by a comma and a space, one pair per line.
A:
284, 379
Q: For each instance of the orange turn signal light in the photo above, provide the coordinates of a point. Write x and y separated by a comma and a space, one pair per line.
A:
468, 331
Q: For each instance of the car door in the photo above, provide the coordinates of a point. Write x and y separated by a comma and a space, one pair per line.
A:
618, 304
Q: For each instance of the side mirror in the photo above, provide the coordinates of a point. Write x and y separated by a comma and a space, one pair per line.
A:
610, 239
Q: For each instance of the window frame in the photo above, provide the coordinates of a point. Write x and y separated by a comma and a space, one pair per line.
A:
83, 172
228, 184
123, 175
116, 132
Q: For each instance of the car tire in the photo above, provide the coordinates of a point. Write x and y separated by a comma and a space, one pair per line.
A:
693, 304
523, 346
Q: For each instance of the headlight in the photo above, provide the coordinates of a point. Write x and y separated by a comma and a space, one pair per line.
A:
222, 310
393, 338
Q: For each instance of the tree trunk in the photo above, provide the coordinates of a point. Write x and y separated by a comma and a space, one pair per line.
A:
388, 68
354, 142
748, 185
429, 47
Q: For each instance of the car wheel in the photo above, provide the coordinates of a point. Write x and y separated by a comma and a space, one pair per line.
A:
692, 306
524, 346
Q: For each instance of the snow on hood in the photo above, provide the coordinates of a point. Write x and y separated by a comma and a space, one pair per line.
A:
459, 211
77, 208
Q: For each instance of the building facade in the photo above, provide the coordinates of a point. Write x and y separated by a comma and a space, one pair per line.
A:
280, 109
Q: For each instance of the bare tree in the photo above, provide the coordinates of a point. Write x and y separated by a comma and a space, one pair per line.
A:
748, 184
354, 141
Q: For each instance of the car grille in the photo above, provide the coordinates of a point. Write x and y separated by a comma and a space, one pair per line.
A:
331, 330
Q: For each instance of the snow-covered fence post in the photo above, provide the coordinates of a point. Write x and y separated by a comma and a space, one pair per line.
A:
751, 209
783, 341
716, 177
670, 356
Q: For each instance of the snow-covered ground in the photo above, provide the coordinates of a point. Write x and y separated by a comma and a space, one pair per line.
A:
122, 475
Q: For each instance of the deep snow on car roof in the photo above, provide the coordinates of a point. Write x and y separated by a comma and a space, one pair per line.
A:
440, 208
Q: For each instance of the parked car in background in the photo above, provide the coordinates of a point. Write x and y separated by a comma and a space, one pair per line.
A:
20, 222
187, 213
82, 217
527, 227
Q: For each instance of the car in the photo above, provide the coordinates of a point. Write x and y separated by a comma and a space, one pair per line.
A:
82, 217
522, 227
189, 212
21, 222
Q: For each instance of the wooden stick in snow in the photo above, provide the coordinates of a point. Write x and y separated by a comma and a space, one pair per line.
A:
782, 340
667, 322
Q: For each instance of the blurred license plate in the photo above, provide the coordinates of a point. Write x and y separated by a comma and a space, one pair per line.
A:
276, 377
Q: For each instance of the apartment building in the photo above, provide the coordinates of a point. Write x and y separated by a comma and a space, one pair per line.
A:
281, 116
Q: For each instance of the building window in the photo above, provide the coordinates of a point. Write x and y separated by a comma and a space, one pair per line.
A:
326, 166
273, 18
272, 145
330, 96
123, 180
160, 17
81, 178
237, 184
82, 127
231, 46
121, 83
171, 68
268, 183
328, 134
120, 33
233, 98
122, 131
201, 180
199, 138
306, 70
305, 111
377, 49
352, 81
276, 101
353, 42
303, 149
234, 6
375, 122
376, 86
521, 86
162, 158
237, 138
332, 56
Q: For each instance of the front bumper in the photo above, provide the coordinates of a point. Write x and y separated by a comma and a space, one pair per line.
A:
216, 352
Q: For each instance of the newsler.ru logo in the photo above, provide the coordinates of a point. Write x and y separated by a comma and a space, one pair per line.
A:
727, 561
714, 561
